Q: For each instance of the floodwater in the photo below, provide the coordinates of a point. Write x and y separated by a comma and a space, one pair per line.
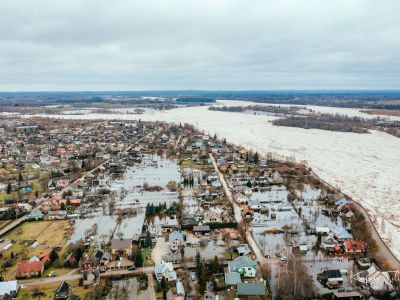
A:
364, 166
127, 193
274, 244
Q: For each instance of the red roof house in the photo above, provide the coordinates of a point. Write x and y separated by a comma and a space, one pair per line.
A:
354, 247
29, 269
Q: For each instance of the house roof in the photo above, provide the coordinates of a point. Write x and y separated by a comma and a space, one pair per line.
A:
63, 288
354, 245
176, 235
232, 278
98, 254
347, 295
342, 233
121, 244
332, 274
240, 262
250, 289
180, 290
29, 267
6, 287
201, 228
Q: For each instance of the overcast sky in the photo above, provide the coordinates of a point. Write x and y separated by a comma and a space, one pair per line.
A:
199, 44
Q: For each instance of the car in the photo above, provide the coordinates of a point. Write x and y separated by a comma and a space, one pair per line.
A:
283, 258
131, 268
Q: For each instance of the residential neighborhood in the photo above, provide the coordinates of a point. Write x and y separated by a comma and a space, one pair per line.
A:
151, 210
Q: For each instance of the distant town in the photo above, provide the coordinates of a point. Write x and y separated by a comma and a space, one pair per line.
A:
153, 210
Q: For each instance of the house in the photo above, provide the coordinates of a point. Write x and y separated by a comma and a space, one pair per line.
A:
121, 247
70, 261
62, 292
322, 230
247, 214
175, 258
35, 215
244, 266
250, 290
232, 279
211, 217
354, 247
346, 295
342, 203
330, 278
375, 280
341, 234
332, 198
102, 257
165, 270
255, 205
176, 240
88, 263
180, 290
241, 250
204, 229
57, 215
9, 288
29, 269
328, 242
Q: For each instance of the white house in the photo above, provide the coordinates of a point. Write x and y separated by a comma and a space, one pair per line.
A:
166, 270
9, 287
244, 266
176, 240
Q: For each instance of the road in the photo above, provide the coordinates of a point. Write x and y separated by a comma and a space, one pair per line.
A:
69, 277
238, 216
12, 225
150, 287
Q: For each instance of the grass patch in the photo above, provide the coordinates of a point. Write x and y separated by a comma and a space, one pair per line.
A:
48, 291
48, 234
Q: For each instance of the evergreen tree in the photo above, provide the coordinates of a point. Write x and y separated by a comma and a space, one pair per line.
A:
148, 243
164, 287
198, 265
138, 258
215, 266
9, 188
256, 158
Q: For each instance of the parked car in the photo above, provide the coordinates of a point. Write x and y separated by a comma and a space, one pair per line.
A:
131, 268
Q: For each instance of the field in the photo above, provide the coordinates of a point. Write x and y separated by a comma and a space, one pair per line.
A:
48, 234
48, 291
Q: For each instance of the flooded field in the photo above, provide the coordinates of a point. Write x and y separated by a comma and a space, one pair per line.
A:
127, 193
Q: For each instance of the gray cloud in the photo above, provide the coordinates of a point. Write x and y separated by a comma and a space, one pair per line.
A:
200, 44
